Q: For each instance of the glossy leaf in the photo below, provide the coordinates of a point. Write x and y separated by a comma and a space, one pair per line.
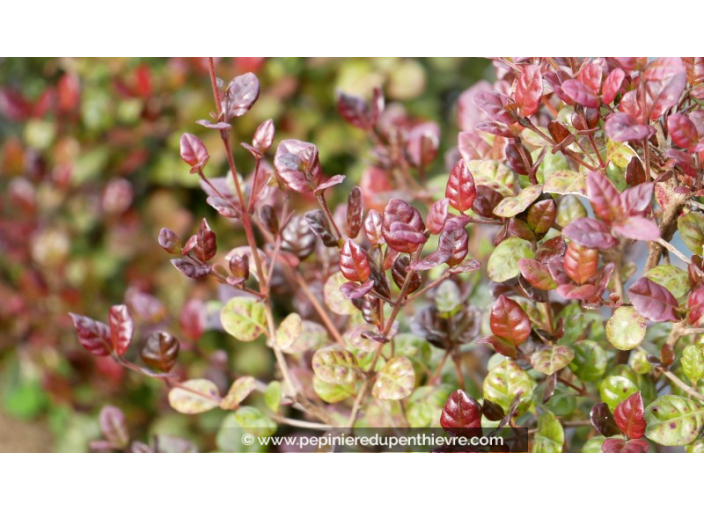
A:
550, 435
691, 228
396, 380
354, 262
460, 189
191, 268
536, 274
629, 416
93, 335
160, 351
621, 127
614, 389
355, 212
334, 298
319, 225
693, 363
529, 90
437, 215
580, 262
604, 197
512, 206
121, 328
332, 393
671, 277
298, 166
193, 151
580, 94
653, 301
506, 381
194, 396
623, 446
682, 130
460, 412
603, 420
241, 94
244, 318
403, 227
626, 328
509, 321
264, 136
552, 359
641, 229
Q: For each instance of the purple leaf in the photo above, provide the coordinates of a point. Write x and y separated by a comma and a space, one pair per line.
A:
635, 201
590, 233
580, 94
682, 130
612, 85
653, 301
437, 215
354, 290
241, 94
668, 96
640, 229
494, 105
298, 165
93, 335
604, 197
332, 181
621, 127
460, 189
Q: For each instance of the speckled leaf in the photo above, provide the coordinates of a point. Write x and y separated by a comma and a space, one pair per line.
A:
566, 182
492, 174
239, 391
288, 331
336, 365
550, 436
202, 395
504, 382
550, 360
536, 274
691, 228
672, 278
332, 393
503, 262
693, 363
512, 206
673, 420
244, 318
396, 380
626, 328
615, 389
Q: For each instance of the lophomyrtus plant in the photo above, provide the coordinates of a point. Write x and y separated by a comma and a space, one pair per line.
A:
570, 182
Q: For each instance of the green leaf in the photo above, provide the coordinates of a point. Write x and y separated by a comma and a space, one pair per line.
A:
239, 391
593, 445
288, 331
672, 278
615, 389
639, 363
620, 154
503, 262
334, 298
589, 362
272, 395
425, 405
332, 393
194, 396
504, 382
550, 360
673, 420
550, 436
626, 328
244, 318
229, 437
493, 174
396, 380
312, 337
336, 365
693, 363
447, 298
255, 422
691, 228
512, 206
569, 209
696, 447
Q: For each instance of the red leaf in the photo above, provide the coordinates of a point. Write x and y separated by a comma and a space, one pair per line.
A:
354, 262
461, 412
613, 445
663, 68
460, 188
529, 90
591, 76
355, 212
355, 110
590, 233
437, 215
653, 301
298, 165
494, 105
695, 303
682, 130
536, 274
264, 136
621, 127
668, 96
402, 226
580, 262
612, 85
372, 226
629, 416
193, 151
604, 197
354, 290
121, 328
640, 229
500, 345
580, 94
509, 321
93, 335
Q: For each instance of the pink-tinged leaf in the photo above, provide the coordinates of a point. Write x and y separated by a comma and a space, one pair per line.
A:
354, 262
682, 130
536, 274
355, 111
494, 128
585, 292
113, 426
622, 127
590, 233
630, 416
446, 247
653, 301
580, 262
604, 197
640, 229
193, 319
298, 165
206, 242
460, 189
580, 94
509, 321
501, 345
663, 68
612, 85
529, 90
630, 104
494, 105
668, 96
437, 216
241, 94
332, 181
635, 201
223, 207
613, 445
591, 76
373, 226
121, 328
695, 303
264, 136
632, 63
466, 266
453, 222
472, 146
93, 335
193, 151
220, 126
354, 290
169, 241
458, 241
461, 412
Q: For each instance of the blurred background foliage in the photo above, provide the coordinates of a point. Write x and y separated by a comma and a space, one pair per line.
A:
90, 172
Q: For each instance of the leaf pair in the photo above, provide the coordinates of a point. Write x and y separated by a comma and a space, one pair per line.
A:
102, 340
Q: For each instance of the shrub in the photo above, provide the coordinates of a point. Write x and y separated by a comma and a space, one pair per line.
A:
525, 288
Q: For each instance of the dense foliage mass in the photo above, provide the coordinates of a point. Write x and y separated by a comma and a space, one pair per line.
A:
537, 283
